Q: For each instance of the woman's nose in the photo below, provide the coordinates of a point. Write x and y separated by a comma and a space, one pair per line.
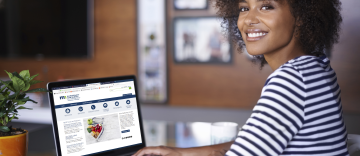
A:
252, 18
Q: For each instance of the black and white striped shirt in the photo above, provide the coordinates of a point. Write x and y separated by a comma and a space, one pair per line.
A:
299, 113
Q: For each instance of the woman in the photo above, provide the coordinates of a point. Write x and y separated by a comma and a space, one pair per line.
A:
299, 111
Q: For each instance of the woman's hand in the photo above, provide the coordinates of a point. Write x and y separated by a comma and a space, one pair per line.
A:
160, 150
218, 153
213, 150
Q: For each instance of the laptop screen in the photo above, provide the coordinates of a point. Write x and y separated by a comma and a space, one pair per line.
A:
96, 117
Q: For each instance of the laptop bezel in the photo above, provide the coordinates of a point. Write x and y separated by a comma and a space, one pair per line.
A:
117, 151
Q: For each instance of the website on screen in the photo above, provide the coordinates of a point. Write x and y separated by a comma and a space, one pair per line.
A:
97, 117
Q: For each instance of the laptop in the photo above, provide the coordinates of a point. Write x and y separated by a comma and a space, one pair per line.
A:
96, 116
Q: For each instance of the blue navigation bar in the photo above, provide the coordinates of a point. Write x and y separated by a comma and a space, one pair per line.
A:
94, 101
127, 94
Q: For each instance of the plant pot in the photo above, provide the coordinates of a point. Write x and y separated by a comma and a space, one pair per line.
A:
16, 145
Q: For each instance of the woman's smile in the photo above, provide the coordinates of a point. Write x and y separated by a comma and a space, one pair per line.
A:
268, 26
255, 34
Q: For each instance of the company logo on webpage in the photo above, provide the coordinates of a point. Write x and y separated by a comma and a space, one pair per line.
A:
62, 97
70, 97
73, 97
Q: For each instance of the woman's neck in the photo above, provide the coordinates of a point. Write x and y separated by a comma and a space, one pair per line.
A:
279, 57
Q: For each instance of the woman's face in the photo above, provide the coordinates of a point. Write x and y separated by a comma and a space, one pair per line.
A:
266, 25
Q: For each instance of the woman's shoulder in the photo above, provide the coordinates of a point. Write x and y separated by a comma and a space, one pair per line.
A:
307, 62
286, 74
304, 70
301, 68
306, 65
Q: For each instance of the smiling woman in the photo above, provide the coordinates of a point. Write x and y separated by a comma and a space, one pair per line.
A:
274, 19
299, 111
314, 23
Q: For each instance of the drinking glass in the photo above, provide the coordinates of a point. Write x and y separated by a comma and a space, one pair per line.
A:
222, 132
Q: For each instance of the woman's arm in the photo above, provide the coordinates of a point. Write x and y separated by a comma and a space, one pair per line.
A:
277, 117
172, 151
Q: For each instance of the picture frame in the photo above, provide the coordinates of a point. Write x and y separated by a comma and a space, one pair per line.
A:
151, 51
200, 40
190, 4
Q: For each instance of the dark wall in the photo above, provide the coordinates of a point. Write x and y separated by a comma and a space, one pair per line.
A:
114, 53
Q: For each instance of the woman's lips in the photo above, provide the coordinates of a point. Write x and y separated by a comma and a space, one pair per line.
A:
255, 36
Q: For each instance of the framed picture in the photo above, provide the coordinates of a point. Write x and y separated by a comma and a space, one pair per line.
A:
190, 4
200, 40
151, 51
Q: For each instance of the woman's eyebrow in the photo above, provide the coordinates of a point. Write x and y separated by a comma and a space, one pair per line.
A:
244, 1
266, 0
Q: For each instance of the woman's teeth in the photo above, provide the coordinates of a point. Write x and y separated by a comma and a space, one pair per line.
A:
256, 34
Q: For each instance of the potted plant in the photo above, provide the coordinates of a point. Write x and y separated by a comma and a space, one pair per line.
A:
13, 141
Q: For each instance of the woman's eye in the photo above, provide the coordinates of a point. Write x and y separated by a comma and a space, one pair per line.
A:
244, 9
266, 8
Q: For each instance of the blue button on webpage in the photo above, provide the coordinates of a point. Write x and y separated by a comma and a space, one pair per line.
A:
125, 131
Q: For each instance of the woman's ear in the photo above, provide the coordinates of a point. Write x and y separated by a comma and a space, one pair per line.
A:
298, 22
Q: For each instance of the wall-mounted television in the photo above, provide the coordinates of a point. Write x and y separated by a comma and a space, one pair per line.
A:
46, 28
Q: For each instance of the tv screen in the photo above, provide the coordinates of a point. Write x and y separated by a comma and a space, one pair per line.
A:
46, 28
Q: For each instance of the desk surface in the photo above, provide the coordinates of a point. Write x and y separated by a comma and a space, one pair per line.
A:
42, 115
175, 134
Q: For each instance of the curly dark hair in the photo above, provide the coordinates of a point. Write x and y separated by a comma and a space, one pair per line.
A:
318, 31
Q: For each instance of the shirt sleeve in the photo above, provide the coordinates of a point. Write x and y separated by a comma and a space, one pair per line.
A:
276, 118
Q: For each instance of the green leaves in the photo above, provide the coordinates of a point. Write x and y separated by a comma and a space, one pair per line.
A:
2, 97
32, 101
11, 109
13, 97
34, 82
10, 102
32, 77
2, 103
10, 75
18, 83
4, 129
12, 117
8, 84
2, 89
15, 74
25, 74
22, 100
27, 86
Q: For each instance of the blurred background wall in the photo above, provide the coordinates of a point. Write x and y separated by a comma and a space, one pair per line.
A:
235, 85
114, 48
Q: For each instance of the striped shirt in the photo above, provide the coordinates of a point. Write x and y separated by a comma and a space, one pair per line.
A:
299, 113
